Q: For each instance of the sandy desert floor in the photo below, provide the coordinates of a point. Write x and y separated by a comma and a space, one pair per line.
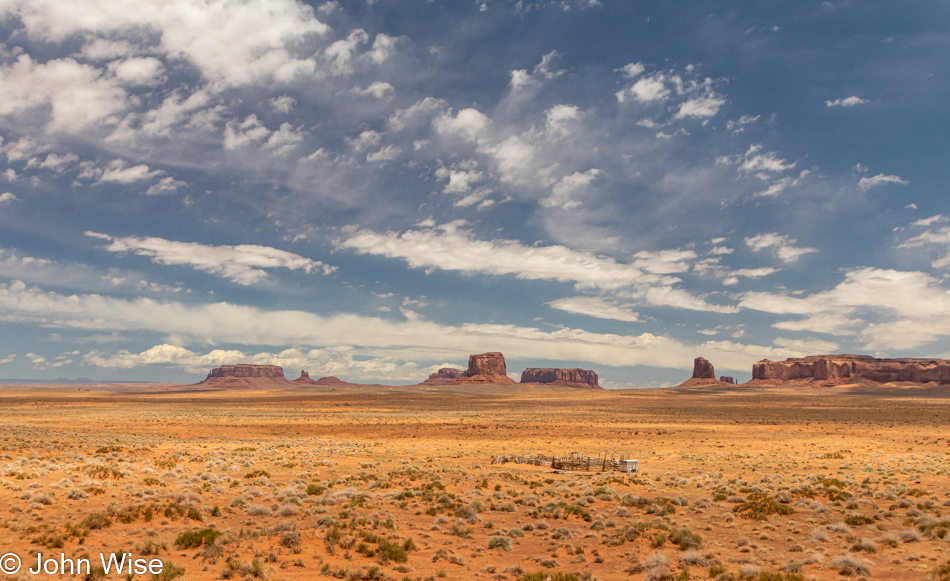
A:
398, 483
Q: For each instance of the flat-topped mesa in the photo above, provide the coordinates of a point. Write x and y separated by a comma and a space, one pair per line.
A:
242, 370
245, 375
444, 376
703, 369
485, 368
579, 378
853, 367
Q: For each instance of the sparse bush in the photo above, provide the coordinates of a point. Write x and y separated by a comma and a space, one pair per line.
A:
499, 542
759, 506
851, 565
96, 520
194, 539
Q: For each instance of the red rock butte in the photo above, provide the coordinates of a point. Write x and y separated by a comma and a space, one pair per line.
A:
444, 376
835, 368
485, 368
579, 378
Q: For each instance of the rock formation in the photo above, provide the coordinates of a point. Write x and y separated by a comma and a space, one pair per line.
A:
847, 368
703, 369
245, 375
485, 368
304, 377
444, 376
580, 378
727, 379
704, 375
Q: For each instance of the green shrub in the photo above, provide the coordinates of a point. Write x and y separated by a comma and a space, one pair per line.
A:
194, 539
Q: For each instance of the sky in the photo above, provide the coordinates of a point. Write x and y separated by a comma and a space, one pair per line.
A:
375, 189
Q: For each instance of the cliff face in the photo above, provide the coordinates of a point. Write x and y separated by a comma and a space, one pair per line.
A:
860, 367
485, 368
444, 376
582, 378
703, 369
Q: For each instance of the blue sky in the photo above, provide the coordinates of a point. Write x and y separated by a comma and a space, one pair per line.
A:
376, 189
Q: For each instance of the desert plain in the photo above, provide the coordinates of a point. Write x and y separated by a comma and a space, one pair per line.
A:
311, 482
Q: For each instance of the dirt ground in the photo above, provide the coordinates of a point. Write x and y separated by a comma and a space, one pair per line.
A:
398, 483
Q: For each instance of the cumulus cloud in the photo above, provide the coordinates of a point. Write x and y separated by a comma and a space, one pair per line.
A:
6, 198
884, 309
880, 180
460, 180
700, 107
467, 123
232, 43
847, 102
783, 246
409, 340
241, 264
76, 95
338, 362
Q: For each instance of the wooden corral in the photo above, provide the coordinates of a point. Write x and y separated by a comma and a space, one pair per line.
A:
575, 462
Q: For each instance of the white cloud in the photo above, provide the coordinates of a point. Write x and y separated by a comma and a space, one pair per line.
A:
409, 340
467, 123
57, 163
647, 89
632, 70
460, 181
450, 247
664, 261
880, 180
77, 95
700, 107
386, 153
885, 309
596, 307
341, 53
811, 346
138, 71
543, 71
118, 172
23, 148
939, 237
422, 110
783, 246
246, 132
284, 139
166, 185
378, 89
514, 158
847, 102
338, 362
737, 126
559, 120
753, 161
231, 42
7, 197
283, 104
241, 264
565, 192
365, 140
935, 219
